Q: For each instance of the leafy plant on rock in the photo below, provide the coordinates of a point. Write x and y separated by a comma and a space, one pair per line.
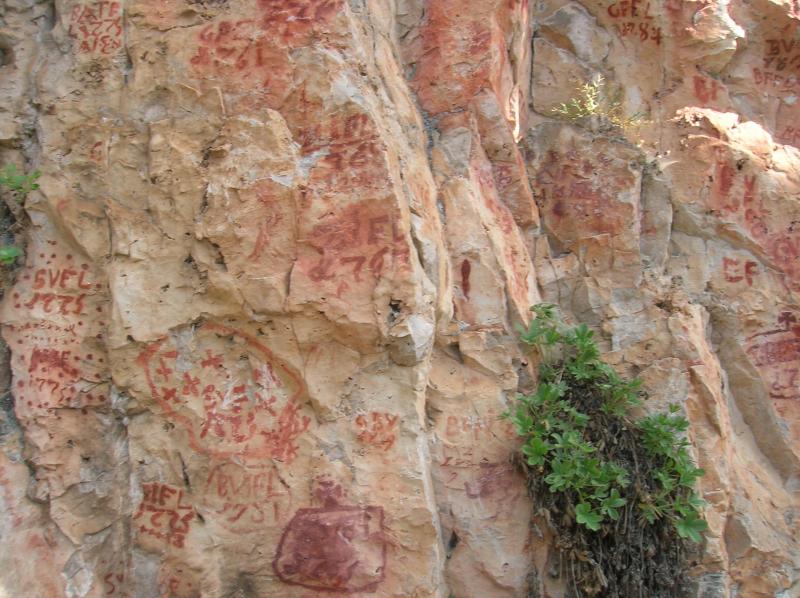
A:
617, 491
20, 185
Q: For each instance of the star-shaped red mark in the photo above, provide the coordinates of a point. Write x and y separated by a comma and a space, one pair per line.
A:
211, 360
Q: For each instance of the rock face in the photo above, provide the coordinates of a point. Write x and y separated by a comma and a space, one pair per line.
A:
265, 323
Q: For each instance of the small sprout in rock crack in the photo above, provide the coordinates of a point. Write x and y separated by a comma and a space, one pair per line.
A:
594, 99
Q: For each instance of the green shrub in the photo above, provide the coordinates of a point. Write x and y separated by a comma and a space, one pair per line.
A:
595, 469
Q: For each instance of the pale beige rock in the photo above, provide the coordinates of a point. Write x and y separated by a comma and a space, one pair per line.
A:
265, 326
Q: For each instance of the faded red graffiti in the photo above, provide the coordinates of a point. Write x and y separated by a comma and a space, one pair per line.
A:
243, 401
782, 54
736, 270
247, 499
177, 581
790, 136
295, 21
356, 244
493, 480
780, 64
466, 268
347, 152
778, 82
776, 354
60, 278
114, 585
578, 200
58, 361
736, 199
377, 429
53, 370
634, 20
706, 89
64, 290
476, 427
236, 45
163, 516
97, 27
480, 475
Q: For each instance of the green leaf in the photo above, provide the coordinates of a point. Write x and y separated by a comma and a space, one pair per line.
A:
587, 517
544, 310
523, 421
9, 253
551, 337
614, 500
536, 449
688, 477
556, 482
690, 527
696, 502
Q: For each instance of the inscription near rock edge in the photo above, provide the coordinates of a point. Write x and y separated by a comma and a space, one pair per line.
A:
776, 354
56, 333
355, 245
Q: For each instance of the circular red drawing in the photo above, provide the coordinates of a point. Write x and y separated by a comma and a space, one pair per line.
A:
228, 391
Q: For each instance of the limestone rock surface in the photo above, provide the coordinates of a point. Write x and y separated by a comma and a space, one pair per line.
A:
264, 327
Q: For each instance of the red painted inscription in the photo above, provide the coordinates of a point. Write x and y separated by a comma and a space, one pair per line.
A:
776, 354
229, 392
347, 153
97, 27
54, 371
739, 270
163, 516
294, 21
706, 89
377, 429
634, 20
354, 245
247, 499
232, 46
579, 194
736, 199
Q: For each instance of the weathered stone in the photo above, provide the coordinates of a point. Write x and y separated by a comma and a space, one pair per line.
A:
265, 325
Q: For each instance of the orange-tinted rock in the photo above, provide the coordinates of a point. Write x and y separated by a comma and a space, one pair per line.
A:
265, 324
